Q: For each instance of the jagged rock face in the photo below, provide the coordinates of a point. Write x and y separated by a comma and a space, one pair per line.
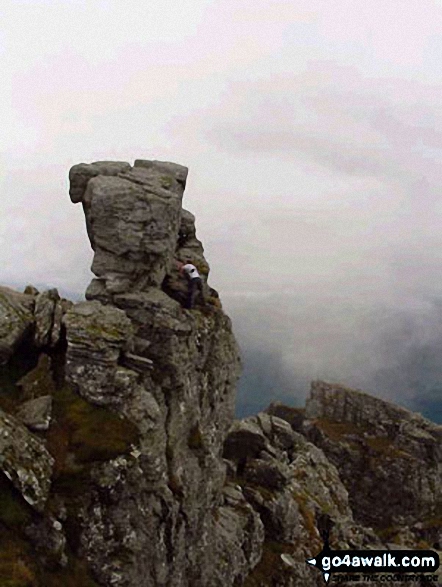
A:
25, 461
96, 336
29, 316
182, 401
48, 314
133, 216
16, 320
389, 458
170, 371
290, 483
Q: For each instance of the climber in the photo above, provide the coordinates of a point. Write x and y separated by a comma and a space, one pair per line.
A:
195, 282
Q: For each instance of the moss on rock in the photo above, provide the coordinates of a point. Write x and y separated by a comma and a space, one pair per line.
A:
84, 433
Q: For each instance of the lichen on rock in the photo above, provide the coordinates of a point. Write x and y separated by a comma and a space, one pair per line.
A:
25, 460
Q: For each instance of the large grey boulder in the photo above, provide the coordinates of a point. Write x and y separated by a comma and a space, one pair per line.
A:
16, 320
239, 535
80, 174
36, 413
25, 461
96, 336
133, 217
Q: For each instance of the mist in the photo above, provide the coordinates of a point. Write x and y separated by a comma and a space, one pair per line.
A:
390, 352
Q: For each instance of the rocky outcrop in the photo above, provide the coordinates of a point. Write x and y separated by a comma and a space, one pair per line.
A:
96, 336
16, 321
133, 217
121, 463
31, 317
170, 371
390, 459
291, 484
25, 461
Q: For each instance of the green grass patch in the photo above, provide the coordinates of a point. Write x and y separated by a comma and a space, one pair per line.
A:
338, 431
20, 567
17, 567
15, 512
83, 433
76, 574
384, 446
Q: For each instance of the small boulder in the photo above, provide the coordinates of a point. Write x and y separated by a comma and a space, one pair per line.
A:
25, 460
36, 413
16, 321
245, 439
79, 175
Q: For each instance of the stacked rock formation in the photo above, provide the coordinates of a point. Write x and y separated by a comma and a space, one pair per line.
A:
170, 371
120, 460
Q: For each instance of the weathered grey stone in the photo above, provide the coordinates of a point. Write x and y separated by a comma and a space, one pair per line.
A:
133, 221
178, 374
25, 461
282, 433
188, 246
80, 174
179, 172
36, 413
96, 336
45, 307
16, 320
389, 458
137, 362
96, 290
239, 537
56, 324
245, 439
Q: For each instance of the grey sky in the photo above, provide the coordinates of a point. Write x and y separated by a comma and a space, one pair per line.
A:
313, 134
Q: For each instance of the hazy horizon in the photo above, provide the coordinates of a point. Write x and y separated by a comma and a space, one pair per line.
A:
313, 135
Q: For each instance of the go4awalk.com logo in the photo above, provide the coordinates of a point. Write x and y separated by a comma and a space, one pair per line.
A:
367, 562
